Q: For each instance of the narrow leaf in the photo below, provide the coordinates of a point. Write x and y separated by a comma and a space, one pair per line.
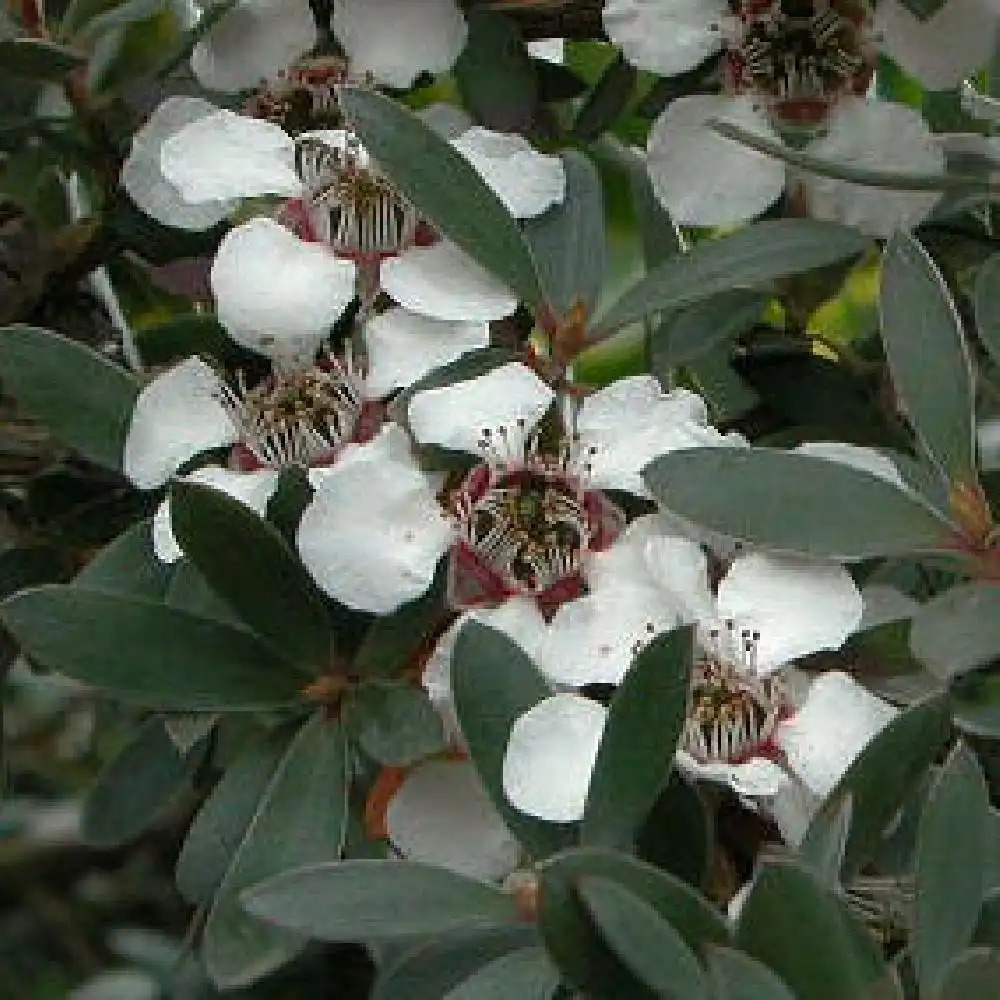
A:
439, 181
38, 59
82, 397
735, 976
140, 651
370, 900
301, 818
958, 630
759, 253
951, 855
986, 297
974, 975
128, 565
395, 724
640, 739
928, 357
527, 974
249, 564
606, 101
796, 503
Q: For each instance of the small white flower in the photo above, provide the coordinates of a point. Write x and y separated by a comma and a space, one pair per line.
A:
396, 40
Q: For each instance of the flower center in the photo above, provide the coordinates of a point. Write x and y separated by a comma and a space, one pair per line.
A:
733, 711
298, 418
800, 55
526, 524
302, 96
349, 204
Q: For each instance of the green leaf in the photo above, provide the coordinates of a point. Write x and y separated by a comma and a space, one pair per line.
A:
372, 900
140, 651
679, 832
643, 940
661, 239
793, 502
300, 819
573, 939
639, 743
830, 830
958, 630
495, 74
526, 974
923, 10
695, 330
951, 853
82, 397
606, 101
975, 703
186, 334
38, 58
439, 181
802, 931
430, 970
128, 566
880, 778
222, 822
758, 253
395, 724
986, 298
568, 241
974, 975
137, 785
493, 683
928, 357
254, 570
735, 976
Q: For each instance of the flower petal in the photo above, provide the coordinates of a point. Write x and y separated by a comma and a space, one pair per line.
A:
142, 175
864, 459
395, 40
666, 38
442, 816
252, 43
885, 604
404, 346
943, 49
550, 756
632, 421
252, 489
878, 135
455, 416
703, 179
442, 282
799, 606
526, 181
176, 416
373, 532
277, 294
225, 155
825, 735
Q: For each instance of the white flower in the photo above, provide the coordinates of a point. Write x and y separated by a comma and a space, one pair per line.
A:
743, 727
441, 815
704, 179
396, 40
252, 43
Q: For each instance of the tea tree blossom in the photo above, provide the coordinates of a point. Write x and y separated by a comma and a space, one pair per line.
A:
747, 724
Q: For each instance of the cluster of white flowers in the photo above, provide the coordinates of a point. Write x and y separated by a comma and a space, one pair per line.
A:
535, 538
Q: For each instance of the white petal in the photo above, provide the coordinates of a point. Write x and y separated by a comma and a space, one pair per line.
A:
799, 606
404, 346
226, 155
550, 756
526, 181
792, 810
442, 816
632, 421
551, 50
666, 37
703, 179
277, 294
252, 489
443, 282
757, 779
373, 532
878, 135
865, 459
456, 415
252, 43
142, 175
593, 639
941, 51
395, 40
884, 604
822, 739
176, 416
